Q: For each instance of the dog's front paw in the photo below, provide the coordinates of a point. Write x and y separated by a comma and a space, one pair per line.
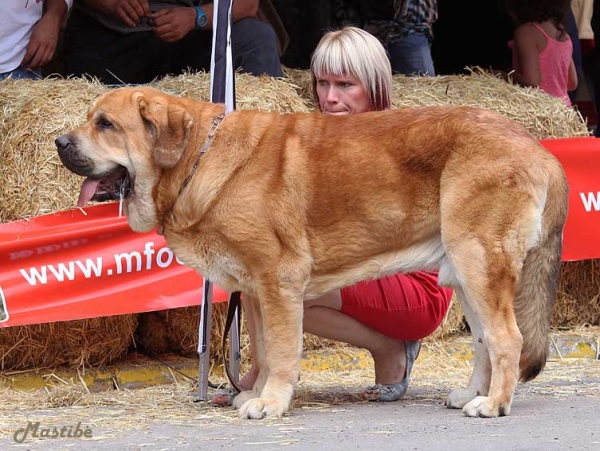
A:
242, 397
258, 408
484, 406
458, 398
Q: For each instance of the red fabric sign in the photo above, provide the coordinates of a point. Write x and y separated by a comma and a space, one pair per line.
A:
580, 158
85, 263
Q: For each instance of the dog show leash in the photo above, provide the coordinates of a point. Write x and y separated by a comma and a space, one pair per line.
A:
234, 305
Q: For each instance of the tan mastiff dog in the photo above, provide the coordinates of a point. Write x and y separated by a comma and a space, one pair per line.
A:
286, 207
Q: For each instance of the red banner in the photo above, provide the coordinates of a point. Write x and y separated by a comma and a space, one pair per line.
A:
580, 158
85, 263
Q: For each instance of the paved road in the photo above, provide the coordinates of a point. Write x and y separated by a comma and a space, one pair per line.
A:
561, 411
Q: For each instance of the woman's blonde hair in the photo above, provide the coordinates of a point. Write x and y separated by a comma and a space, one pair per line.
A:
354, 52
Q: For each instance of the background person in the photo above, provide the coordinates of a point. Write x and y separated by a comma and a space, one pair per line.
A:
136, 41
404, 27
542, 49
29, 35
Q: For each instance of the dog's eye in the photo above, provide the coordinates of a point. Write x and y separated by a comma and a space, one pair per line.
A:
104, 124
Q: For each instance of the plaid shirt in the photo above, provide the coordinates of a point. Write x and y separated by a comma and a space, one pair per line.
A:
389, 20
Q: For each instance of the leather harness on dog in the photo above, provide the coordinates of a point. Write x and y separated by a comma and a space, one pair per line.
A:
214, 126
234, 301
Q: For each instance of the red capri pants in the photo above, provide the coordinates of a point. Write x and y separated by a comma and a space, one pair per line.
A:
401, 306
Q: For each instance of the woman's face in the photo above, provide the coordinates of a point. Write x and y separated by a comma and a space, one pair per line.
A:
342, 94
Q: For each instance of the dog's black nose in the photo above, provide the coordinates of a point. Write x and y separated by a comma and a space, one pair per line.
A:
62, 142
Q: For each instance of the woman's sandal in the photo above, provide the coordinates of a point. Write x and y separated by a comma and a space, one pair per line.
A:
393, 392
223, 397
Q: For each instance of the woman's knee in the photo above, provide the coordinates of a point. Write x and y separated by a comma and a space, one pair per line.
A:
332, 300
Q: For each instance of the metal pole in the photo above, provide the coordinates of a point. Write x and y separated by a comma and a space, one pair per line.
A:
222, 90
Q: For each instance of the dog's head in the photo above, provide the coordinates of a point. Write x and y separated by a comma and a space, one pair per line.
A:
130, 136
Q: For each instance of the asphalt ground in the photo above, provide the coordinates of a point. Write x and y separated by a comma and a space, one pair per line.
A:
151, 405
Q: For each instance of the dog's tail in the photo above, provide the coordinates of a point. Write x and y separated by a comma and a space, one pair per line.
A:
536, 289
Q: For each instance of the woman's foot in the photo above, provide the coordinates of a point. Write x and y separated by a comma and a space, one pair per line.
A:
395, 390
223, 397
384, 393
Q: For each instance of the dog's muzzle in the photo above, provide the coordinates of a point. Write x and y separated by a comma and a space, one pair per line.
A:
113, 184
73, 160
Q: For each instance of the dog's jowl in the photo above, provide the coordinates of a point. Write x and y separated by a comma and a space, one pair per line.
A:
285, 207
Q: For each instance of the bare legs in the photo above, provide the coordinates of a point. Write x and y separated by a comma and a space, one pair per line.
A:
322, 317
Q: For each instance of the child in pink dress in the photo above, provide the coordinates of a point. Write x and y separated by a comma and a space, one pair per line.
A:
542, 48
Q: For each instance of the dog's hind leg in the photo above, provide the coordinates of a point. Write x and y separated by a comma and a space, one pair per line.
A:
488, 274
479, 384
281, 311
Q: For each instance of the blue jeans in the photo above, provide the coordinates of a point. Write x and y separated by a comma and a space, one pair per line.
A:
411, 55
21, 72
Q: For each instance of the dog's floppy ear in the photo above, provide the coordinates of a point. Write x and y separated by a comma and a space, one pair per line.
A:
169, 125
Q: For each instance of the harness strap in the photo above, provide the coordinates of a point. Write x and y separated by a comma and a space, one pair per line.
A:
214, 126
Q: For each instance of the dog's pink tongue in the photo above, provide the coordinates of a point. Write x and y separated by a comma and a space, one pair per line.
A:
88, 189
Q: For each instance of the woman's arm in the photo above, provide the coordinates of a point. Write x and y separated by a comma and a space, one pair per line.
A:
527, 51
573, 82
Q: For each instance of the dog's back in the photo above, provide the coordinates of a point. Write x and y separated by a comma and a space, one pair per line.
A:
404, 174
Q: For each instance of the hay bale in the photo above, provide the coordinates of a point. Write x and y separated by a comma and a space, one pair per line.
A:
89, 342
151, 336
543, 115
577, 300
32, 114
260, 93
300, 79
176, 331
34, 182
454, 323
